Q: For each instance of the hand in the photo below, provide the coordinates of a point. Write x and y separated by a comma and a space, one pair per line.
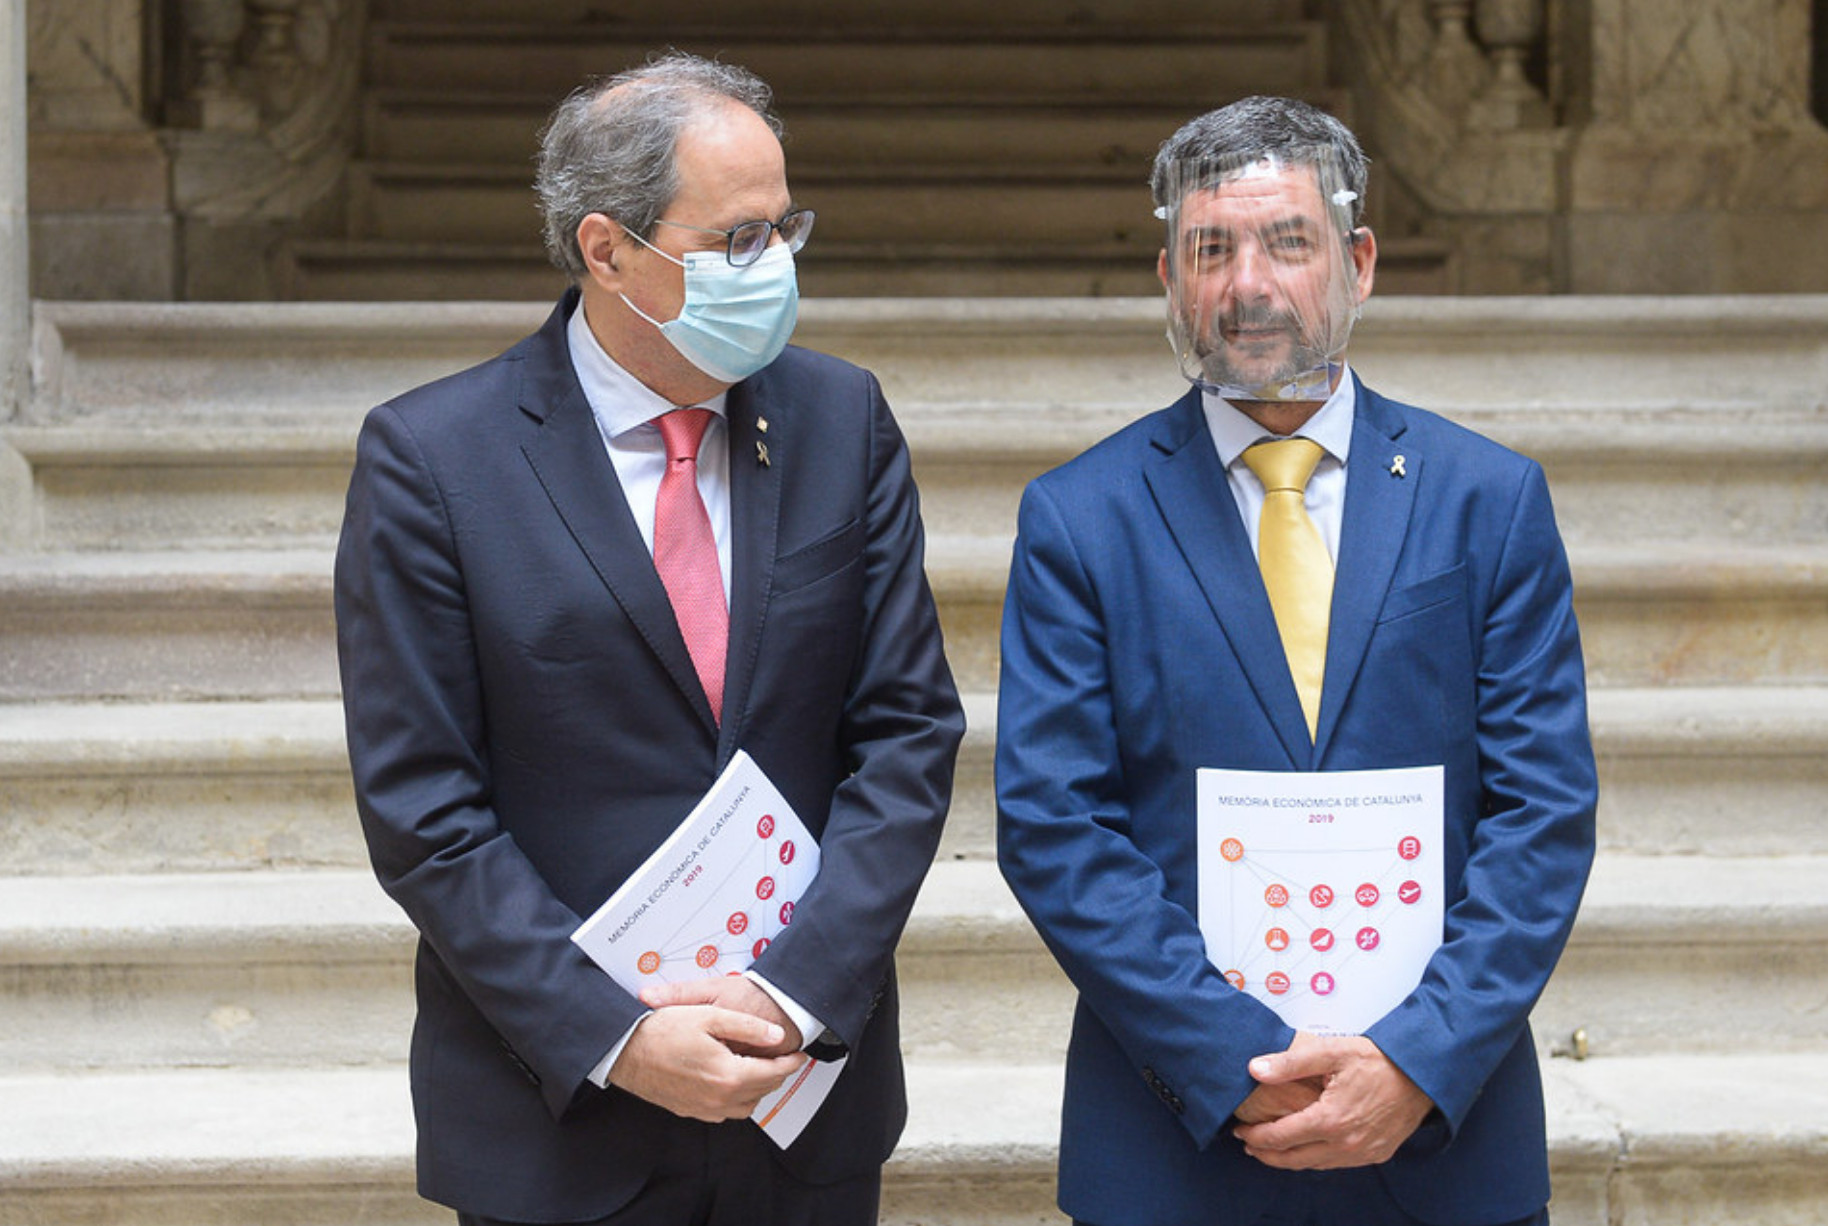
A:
738, 993
1366, 1109
683, 1059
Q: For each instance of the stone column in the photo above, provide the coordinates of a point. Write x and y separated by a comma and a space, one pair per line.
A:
15, 237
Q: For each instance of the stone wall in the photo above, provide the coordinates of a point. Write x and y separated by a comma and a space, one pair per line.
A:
1548, 146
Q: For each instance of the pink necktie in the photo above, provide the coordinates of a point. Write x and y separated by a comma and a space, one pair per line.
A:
685, 552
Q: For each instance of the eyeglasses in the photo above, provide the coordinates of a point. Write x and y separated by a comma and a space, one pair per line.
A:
749, 240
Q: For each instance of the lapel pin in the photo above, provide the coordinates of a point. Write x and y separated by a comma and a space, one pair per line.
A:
1397, 469
761, 453
761, 424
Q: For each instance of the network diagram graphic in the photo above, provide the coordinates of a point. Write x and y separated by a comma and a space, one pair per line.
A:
748, 903
721, 888
1325, 907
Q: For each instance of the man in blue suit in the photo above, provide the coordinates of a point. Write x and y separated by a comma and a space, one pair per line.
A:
1150, 631
572, 583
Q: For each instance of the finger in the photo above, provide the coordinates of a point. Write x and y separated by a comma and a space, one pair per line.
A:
1316, 1157
1295, 1064
743, 1029
689, 992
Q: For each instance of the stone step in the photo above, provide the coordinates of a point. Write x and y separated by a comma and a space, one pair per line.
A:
188, 787
1019, 377
374, 270
417, 125
97, 482
1670, 954
166, 626
1714, 771
135, 788
1652, 614
129, 788
1651, 1139
379, 270
1207, 64
243, 624
275, 969
960, 207
1122, 17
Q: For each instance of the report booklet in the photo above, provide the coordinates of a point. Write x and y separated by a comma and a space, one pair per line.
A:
708, 902
1321, 893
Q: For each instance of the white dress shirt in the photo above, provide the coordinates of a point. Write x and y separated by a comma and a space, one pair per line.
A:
625, 408
1331, 427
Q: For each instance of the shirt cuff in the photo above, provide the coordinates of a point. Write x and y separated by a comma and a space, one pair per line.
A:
810, 1027
599, 1076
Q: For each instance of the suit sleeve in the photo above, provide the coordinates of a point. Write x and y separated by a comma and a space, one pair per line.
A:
415, 726
1063, 828
1533, 844
900, 731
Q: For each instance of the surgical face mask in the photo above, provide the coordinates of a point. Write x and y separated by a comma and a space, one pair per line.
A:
735, 320
1262, 285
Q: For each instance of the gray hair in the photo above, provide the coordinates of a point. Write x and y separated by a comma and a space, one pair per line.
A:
610, 147
1258, 127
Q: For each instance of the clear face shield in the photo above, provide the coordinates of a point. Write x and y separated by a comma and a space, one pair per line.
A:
1262, 285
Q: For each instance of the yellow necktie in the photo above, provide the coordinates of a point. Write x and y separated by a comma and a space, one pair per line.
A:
1296, 568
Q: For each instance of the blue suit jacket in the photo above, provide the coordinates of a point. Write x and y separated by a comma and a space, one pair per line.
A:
1139, 645
525, 727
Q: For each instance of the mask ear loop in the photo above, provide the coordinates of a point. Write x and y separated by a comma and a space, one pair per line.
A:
626, 300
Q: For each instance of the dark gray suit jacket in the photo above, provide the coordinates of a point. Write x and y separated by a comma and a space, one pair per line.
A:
525, 727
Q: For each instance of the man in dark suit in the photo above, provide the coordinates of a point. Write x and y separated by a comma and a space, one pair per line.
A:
572, 582
1418, 613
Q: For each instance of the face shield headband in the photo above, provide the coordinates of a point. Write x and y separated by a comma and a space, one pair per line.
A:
1262, 286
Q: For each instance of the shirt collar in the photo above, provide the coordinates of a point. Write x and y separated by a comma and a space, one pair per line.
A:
1232, 431
619, 401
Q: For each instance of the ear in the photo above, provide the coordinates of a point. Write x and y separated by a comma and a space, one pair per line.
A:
1161, 268
599, 239
1364, 260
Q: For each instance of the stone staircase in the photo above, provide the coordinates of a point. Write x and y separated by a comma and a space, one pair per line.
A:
206, 1001
971, 149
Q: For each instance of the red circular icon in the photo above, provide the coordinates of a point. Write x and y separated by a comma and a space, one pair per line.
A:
1409, 848
787, 852
737, 924
1367, 895
1232, 850
1321, 896
765, 828
1322, 983
786, 913
1277, 983
755, 950
707, 956
648, 962
1276, 939
1410, 892
1235, 979
764, 888
1368, 939
1276, 896
1321, 939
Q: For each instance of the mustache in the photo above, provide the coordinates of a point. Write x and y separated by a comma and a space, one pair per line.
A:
1258, 317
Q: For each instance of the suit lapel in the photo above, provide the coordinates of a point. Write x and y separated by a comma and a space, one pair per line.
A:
1380, 496
755, 503
1194, 497
568, 457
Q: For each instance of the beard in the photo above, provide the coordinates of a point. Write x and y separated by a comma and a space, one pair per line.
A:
1258, 348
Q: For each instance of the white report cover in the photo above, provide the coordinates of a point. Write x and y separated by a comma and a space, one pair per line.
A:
1321, 892
708, 902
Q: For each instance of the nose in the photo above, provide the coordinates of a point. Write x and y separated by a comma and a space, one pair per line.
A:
1251, 274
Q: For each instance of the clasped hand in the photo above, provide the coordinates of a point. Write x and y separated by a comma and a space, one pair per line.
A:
711, 1049
1328, 1103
